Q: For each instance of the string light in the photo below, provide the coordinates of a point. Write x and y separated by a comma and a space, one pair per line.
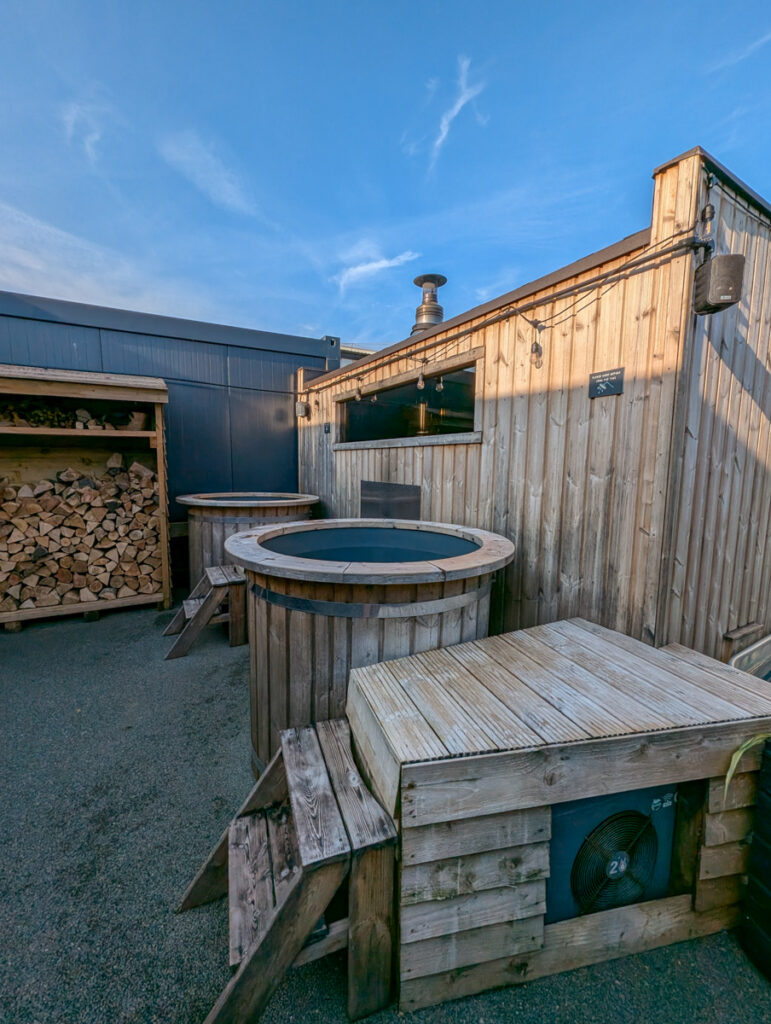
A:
357, 394
440, 384
421, 381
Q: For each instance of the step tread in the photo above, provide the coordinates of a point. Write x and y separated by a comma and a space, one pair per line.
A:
224, 575
283, 849
251, 901
321, 834
191, 606
366, 822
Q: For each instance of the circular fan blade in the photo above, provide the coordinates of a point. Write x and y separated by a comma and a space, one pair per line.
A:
615, 862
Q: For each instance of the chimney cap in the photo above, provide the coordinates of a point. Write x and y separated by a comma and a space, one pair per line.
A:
437, 279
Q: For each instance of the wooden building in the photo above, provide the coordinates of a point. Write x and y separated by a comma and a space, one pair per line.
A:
645, 510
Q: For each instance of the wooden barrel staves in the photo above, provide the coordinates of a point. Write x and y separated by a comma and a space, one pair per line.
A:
212, 518
314, 614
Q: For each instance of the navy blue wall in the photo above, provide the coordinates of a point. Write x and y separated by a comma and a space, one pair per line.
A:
230, 420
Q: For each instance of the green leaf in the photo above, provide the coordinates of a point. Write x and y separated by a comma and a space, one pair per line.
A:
753, 741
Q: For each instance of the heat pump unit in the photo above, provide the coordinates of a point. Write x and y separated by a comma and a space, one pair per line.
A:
609, 851
718, 283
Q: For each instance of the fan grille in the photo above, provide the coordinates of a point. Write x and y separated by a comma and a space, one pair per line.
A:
615, 863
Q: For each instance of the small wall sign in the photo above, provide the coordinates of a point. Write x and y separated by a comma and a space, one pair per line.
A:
606, 382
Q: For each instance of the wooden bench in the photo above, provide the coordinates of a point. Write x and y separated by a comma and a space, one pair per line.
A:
309, 825
218, 584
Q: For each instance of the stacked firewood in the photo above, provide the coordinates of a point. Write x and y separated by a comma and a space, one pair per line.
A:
77, 538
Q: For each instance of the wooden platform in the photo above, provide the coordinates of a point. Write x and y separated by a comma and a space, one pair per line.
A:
470, 748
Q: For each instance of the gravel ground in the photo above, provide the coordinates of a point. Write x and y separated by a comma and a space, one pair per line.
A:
118, 772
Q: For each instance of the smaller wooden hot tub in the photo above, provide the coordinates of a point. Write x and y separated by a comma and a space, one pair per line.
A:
334, 594
212, 518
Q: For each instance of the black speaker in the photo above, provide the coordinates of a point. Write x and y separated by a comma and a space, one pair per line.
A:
718, 283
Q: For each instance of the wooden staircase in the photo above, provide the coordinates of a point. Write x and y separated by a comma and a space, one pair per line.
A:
219, 583
309, 824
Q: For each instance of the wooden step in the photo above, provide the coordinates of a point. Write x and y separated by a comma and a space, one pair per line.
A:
321, 835
224, 575
308, 823
251, 901
262, 869
191, 606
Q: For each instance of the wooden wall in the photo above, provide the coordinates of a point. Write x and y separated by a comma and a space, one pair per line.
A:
720, 572
600, 497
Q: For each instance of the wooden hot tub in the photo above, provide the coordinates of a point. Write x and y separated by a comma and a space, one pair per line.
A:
328, 596
212, 518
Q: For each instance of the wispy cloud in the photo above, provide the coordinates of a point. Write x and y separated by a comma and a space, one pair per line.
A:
38, 258
369, 262
465, 94
739, 55
197, 161
84, 125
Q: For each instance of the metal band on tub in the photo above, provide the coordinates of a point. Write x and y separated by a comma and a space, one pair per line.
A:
345, 610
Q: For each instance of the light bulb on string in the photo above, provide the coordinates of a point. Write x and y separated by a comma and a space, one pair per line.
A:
421, 381
440, 384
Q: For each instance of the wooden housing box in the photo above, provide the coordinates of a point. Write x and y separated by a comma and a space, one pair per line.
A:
470, 749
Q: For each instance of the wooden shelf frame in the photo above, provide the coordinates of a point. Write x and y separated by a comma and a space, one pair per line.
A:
72, 432
51, 384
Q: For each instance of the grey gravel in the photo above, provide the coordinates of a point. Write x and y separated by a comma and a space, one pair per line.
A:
118, 772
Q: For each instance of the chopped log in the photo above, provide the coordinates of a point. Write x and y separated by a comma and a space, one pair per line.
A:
67, 540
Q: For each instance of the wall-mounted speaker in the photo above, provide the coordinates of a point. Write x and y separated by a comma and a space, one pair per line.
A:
718, 283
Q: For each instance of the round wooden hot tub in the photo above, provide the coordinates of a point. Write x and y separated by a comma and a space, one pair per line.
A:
335, 594
212, 518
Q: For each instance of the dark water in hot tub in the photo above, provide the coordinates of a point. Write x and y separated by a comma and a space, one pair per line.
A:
370, 544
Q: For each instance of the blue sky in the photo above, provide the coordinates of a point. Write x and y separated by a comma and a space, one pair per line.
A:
292, 166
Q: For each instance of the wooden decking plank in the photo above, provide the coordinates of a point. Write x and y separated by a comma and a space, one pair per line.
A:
664, 671
588, 650
734, 679
499, 722
284, 857
626, 711
595, 721
538, 714
383, 764
251, 903
457, 728
321, 835
407, 732
366, 823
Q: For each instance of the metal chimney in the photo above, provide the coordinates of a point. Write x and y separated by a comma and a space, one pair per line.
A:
429, 312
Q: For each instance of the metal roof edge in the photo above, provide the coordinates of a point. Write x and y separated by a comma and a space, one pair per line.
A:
64, 311
721, 172
630, 243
